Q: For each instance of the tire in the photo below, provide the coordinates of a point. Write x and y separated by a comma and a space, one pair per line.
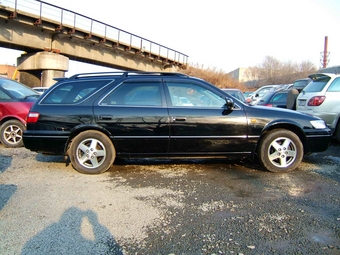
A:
280, 150
291, 99
337, 132
11, 134
91, 152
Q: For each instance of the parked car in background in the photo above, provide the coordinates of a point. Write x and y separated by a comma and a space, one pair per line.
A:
236, 93
260, 92
298, 86
40, 90
15, 101
321, 98
102, 116
247, 93
274, 99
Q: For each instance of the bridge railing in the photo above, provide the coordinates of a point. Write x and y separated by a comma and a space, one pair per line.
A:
80, 22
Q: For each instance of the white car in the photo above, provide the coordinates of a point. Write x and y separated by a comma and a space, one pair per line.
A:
321, 98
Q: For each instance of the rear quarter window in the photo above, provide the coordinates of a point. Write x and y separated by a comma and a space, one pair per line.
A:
335, 86
73, 92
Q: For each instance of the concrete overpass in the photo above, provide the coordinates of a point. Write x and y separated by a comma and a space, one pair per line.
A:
51, 35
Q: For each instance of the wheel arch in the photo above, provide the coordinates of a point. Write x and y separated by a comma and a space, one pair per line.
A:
287, 126
81, 128
7, 118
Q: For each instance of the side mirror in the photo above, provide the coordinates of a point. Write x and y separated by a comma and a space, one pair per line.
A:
229, 103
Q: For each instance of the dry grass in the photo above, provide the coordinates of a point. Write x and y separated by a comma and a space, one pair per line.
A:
219, 78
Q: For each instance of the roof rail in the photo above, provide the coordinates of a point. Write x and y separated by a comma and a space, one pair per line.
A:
123, 74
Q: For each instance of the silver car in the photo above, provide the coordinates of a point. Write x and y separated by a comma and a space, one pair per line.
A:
260, 92
321, 98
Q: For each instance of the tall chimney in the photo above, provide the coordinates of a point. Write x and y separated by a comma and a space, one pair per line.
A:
325, 54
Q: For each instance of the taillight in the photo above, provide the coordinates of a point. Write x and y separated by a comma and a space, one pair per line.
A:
316, 101
32, 117
269, 105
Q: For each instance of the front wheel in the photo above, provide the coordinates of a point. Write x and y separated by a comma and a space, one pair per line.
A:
280, 151
11, 134
92, 152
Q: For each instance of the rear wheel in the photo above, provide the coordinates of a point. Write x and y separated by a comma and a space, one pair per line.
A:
337, 132
92, 152
280, 151
11, 134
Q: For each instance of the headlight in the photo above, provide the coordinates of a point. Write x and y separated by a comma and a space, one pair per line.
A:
318, 124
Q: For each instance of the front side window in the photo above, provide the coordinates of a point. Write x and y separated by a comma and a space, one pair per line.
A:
135, 93
186, 94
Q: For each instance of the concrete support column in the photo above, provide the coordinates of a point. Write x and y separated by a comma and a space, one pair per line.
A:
39, 69
47, 77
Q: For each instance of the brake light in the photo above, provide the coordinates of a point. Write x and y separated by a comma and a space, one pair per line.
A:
316, 101
269, 105
32, 117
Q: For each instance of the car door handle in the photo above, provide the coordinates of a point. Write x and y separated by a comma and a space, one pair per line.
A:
106, 117
179, 118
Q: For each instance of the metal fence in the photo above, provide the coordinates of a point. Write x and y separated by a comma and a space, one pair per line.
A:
78, 21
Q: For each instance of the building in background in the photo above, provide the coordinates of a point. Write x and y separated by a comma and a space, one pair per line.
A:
239, 75
9, 72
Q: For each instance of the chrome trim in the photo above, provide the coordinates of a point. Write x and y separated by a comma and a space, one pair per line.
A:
182, 137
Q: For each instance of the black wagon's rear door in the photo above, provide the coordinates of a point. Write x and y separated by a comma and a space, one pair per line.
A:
135, 114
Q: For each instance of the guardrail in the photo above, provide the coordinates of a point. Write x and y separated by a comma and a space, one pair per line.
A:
76, 21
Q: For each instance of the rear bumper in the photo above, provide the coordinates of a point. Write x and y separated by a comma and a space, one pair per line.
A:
44, 143
328, 117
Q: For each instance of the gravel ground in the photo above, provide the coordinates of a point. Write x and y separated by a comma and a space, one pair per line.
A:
168, 207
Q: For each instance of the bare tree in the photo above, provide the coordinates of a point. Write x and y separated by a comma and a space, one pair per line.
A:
272, 71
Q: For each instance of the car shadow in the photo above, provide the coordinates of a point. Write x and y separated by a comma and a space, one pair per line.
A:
5, 162
49, 158
67, 236
6, 192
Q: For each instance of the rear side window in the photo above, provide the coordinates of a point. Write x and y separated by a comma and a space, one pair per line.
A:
279, 98
135, 93
73, 92
335, 86
4, 96
317, 85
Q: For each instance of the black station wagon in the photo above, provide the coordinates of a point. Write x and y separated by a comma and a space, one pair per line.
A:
93, 118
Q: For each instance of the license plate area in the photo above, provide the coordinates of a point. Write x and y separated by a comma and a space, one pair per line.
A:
301, 102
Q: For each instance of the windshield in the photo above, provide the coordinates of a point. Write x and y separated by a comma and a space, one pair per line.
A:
17, 90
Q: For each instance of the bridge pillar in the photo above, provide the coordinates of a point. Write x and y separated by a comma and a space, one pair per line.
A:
39, 69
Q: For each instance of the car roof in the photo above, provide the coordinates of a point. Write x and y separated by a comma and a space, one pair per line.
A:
319, 75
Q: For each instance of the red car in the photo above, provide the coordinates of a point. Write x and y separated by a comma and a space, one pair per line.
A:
16, 100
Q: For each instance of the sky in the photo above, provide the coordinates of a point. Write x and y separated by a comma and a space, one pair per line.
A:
223, 35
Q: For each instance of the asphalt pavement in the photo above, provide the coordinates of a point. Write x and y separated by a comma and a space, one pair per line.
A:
168, 207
